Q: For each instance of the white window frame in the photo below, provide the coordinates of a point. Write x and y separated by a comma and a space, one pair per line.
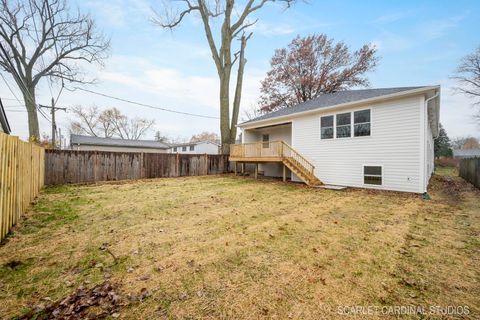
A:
320, 122
373, 175
265, 144
353, 122
184, 148
192, 147
343, 125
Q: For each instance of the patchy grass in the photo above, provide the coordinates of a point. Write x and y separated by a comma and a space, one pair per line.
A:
228, 247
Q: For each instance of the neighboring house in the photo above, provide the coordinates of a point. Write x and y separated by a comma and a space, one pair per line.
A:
200, 147
372, 138
4, 125
78, 142
466, 153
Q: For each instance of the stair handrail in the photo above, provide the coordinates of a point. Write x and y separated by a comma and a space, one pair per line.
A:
297, 156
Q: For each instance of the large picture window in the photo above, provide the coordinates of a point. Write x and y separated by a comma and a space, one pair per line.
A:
372, 175
344, 125
326, 127
361, 123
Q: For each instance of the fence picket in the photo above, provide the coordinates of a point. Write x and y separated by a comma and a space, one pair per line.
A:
66, 166
21, 178
470, 170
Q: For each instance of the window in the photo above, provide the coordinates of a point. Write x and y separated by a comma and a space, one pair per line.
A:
361, 123
184, 148
326, 127
174, 149
372, 175
344, 125
266, 139
192, 147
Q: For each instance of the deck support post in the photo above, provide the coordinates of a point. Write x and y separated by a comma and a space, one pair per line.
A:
284, 173
243, 168
256, 170
235, 168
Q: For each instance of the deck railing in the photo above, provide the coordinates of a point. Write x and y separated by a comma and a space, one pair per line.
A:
269, 149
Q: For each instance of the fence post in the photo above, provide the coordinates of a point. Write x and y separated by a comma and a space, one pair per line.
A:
206, 164
177, 165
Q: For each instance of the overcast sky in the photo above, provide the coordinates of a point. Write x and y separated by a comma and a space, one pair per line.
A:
419, 43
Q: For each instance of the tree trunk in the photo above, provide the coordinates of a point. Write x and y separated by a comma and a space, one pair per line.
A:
31, 105
238, 90
225, 110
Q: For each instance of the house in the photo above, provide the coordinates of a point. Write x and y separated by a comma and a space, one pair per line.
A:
79, 142
199, 147
4, 125
371, 138
466, 153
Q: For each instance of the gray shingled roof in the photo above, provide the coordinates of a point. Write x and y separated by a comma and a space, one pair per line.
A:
114, 142
466, 153
332, 99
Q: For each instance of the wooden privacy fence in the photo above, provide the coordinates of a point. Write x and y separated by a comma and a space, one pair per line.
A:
21, 178
470, 170
65, 166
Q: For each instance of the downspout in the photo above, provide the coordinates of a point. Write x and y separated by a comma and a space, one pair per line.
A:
426, 107
437, 93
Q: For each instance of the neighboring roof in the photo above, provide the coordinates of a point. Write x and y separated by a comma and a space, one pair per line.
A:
466, 153
114, 142
334, 99
3, 120
193, 143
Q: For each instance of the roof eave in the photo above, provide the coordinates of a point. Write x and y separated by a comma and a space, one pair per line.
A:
279, 119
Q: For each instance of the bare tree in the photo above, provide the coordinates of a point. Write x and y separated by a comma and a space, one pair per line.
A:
42, 38
252, 113
312, 66
468, 76
235, 24
205, 136
465, 143
108, 123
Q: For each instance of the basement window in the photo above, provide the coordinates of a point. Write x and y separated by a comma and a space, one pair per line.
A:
326, 127
372, 175
344, 125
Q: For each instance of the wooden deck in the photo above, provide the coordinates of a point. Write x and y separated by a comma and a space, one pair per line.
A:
274, 151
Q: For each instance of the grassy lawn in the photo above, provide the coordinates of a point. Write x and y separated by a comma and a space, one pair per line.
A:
230, 247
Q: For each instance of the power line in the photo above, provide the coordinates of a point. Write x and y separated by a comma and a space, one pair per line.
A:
147, 105
16, 98
9, 88
20, 83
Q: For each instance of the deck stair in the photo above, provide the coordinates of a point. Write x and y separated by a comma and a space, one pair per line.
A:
276, 151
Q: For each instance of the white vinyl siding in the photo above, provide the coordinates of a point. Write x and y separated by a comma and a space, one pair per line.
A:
206, 147
394, 143
276, 133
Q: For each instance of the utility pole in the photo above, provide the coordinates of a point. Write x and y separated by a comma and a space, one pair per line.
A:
54, 124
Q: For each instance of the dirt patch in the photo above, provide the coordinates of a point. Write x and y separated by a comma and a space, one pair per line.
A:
95, 303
